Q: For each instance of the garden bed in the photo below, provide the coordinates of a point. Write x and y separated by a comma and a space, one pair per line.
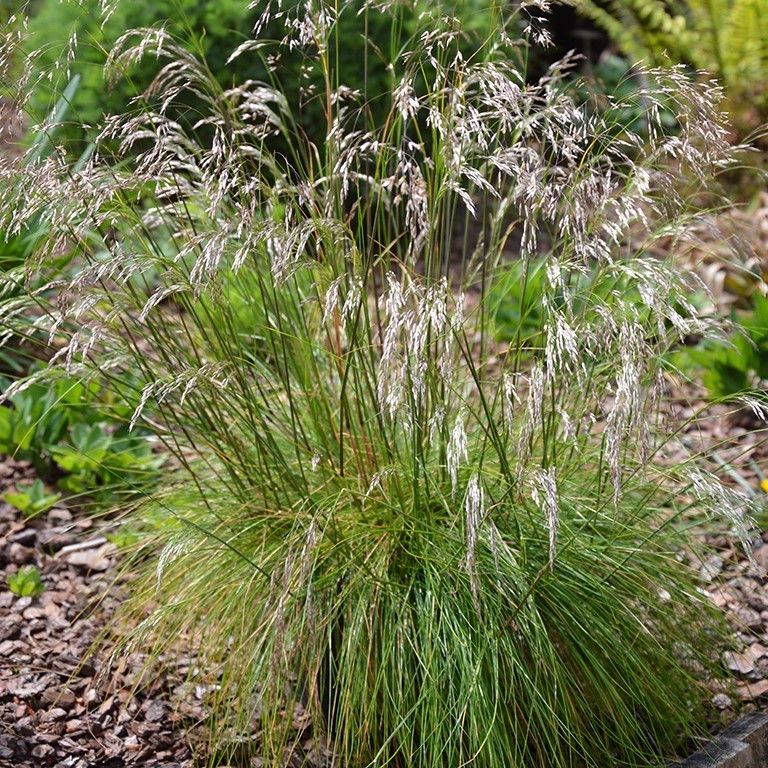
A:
61, 711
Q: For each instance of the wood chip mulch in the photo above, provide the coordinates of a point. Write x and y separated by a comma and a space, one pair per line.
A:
55, 709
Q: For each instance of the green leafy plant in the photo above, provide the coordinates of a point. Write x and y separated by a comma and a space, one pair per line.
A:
105, 463
37, 417
20, 240
68, 431
734, 366
32, 499
26, 582
449, 548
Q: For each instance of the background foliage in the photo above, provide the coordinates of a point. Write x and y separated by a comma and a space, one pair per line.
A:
728, 40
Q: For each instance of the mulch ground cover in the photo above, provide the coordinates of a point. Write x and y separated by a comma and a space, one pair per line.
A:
55, 708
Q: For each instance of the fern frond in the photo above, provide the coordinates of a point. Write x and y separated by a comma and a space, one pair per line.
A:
727, 38
649, 30
745, 45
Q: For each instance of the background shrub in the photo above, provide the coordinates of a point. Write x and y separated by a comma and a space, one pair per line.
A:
75, 37
728, 40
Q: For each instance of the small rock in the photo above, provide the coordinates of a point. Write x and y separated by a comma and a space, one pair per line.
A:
758, 650
21, 555
52, 715
8, 647
64, 698
22, 604
34, 612
25, 725
749, 618
42, 750
10, 627
72, 762
753, 691
92, 559
721, 701
26, 537
155, 711
59, 515
54, 539
761, 554
711, 567
33, 687
756, 601
131, 743
74, 726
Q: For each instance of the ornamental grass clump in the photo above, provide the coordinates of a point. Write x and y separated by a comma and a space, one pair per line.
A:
446, 549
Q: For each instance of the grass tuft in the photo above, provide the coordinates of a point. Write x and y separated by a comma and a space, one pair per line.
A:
450, 544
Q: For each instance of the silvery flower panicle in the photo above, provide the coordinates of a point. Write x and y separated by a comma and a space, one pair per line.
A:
332, 298
209, 257
353, 299
134, 45
307, 557
355, 150
177, 547
429, 320
416, 340
261, 111
664, 292
758, 407
435, 423
213, 374
282, 591
511, 399
410, 186
702, 142
457, 450
544, 494
390, 370
538, 32
532, 417
290, 249
565, 345
566, 424
628, 418
405, 101
474, 510
722, 500
380, 6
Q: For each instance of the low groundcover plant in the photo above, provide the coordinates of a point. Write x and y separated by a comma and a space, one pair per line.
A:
447, 549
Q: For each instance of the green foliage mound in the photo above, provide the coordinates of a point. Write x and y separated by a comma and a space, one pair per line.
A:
74, 38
